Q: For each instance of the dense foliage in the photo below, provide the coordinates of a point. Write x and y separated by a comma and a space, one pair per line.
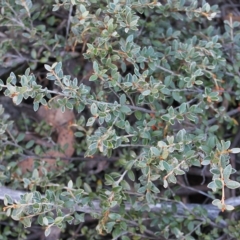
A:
154, 86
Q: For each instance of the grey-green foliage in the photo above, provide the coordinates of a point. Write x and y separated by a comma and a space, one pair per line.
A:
173, 91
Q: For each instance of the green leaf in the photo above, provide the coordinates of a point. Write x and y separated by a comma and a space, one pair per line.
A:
109, 226
166, 166
183, 108
125, 185
109, 179
215, 171
69, 105
20, 137
155, 151
229, 207
47, 231
58, 220
26, 222
123, 99
35, 175
70, 184
129, 164
94, 109
94, 77
79, 217
125, 109
232, 184
58, 67
131, 175
47, 67
82, 8
227, 172
213, 128
154, 177
87, 188
125, 238
217, 202
90, 121
129, 38
114, 216
8, 212
69, 219
95, 67
218, 183
235, 150
45, 221
154, 189
29, 144
7, 200
79, 134
35, 106
149, 198
165, 183
138, 115
146, 92
212, 185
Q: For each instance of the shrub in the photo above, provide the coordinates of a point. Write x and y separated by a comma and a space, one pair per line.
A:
157, 97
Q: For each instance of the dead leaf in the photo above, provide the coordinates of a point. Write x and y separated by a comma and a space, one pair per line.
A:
61, 122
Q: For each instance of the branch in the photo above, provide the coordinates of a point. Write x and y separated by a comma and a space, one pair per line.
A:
182, 209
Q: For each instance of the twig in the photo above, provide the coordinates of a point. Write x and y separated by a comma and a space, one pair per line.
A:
121, 178
199, 225
119, 235
172, 171
69, 20
230, 113
130, 106
141, 109
195, 189
167, 70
